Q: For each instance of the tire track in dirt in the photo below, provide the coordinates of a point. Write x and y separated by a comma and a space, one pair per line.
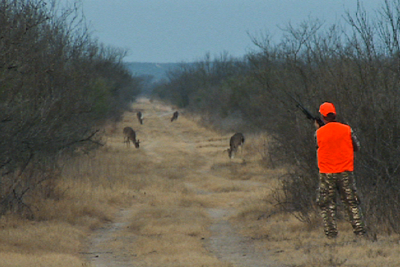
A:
230, 246
100, 254
225, 242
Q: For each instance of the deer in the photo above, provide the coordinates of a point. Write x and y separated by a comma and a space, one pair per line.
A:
130, 135
175, 116
236, 140
140, 117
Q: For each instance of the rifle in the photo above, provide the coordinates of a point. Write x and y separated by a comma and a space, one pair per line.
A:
308, 113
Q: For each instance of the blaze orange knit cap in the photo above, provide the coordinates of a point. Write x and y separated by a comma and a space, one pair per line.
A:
327, 108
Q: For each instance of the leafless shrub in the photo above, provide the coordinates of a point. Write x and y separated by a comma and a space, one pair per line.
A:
57, 87
360, 79
355, 67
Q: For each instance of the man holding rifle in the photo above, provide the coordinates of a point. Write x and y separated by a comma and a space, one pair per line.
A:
336, 145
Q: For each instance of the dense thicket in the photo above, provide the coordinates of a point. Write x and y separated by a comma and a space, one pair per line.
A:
357, 68
57, 86
207, 87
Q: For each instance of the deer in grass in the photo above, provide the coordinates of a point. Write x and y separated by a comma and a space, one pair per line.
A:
140, 117
236, 140
175, 116
130, 135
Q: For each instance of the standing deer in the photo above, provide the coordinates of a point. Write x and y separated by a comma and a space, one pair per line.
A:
130, 135
140, 117
236, 140
175, 116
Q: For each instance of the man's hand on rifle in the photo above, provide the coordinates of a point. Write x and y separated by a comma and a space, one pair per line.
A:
316, 124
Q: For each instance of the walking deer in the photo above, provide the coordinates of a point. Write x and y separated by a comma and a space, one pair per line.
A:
236, 140
175, 116
130, 135
140, 117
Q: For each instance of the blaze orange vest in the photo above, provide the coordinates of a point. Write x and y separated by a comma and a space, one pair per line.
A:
335, 148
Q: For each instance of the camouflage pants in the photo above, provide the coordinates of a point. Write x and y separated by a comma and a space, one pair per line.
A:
344, 183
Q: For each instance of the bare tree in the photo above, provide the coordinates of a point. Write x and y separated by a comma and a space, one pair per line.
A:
58, 87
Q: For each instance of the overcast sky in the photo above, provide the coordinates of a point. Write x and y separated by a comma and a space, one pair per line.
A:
171, 31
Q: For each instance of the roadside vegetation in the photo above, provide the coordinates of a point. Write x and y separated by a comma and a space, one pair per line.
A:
58, 87
354, 65
63, 94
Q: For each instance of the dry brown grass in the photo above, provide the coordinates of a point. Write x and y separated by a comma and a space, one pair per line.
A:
295, 243
172, 234
158, 196
27, 243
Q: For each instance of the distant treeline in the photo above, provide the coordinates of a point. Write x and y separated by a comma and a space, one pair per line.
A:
152, 73
155, 71
57, 87
356, 67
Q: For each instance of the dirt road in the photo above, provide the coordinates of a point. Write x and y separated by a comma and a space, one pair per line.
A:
190, 192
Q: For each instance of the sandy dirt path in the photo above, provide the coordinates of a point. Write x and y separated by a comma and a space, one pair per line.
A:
185, 142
